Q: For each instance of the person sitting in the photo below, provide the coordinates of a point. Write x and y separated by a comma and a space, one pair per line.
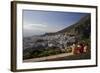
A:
73, 48
85, 48
81, 49
76, 51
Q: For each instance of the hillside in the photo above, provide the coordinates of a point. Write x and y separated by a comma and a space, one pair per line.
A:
78, 28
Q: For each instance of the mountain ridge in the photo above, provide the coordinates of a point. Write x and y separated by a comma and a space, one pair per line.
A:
72, 27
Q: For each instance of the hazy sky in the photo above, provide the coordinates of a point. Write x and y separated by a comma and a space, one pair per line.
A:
40, 22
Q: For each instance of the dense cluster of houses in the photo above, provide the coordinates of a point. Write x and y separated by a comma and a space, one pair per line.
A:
59, 41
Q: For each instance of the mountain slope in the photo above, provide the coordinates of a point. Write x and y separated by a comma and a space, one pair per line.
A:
77, 28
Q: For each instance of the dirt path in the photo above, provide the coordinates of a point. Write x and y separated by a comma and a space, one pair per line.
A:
49, 57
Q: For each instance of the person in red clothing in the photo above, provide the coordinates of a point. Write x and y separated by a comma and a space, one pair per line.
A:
76, 51
81, 49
